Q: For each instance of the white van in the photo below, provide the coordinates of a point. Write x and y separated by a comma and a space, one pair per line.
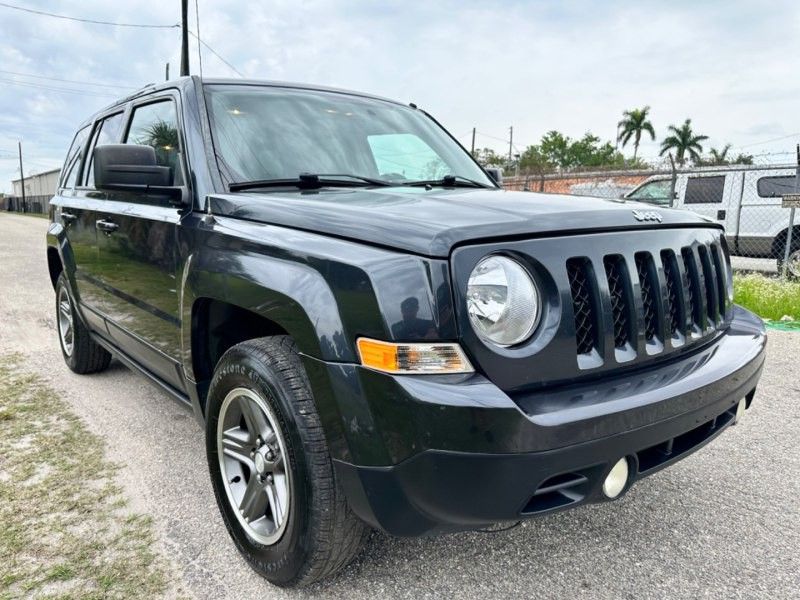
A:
745, 200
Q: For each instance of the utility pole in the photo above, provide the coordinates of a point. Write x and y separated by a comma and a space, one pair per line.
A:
21, 176
166, 73
185, 38
473, 142
510, 144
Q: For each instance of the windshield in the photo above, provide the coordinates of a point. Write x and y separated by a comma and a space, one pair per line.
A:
271, 133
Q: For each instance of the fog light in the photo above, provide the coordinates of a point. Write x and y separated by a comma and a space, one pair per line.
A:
616, 479
740, 409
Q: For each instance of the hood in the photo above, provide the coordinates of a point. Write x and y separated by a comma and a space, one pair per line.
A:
433, 222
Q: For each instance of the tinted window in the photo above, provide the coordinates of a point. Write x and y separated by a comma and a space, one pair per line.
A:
655, 192
704, 190
775, 187
156, 125
278, 133
106, 131
74, 155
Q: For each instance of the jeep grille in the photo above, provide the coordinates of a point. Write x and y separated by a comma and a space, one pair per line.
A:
659, 297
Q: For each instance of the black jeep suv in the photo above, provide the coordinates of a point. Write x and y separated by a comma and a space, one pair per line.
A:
372, 332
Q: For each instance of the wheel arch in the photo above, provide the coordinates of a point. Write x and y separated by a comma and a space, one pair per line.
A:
779, 241
54, 265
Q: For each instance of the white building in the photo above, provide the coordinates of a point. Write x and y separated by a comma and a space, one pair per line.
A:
39, 184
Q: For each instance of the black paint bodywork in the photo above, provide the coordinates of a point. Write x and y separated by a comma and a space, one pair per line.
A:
414, 454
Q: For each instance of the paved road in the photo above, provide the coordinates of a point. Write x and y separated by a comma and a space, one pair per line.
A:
724, 523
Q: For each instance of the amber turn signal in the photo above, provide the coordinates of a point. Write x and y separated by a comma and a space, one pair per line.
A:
413, 358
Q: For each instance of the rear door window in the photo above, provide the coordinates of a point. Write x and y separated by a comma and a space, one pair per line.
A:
704, 190
75, 154
106, 131
156, 125
775, 187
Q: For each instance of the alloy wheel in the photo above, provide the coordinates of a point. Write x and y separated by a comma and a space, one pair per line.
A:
254, 465
793, 266
66, 323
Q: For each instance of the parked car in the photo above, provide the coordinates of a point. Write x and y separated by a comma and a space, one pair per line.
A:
745, 201
371, 332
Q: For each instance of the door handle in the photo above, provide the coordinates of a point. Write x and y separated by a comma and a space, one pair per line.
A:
68, 218
107, 226
721, 215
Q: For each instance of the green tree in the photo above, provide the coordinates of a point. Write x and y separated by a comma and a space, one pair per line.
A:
720, 158
633, 124
684, 141
488, 157
558, 151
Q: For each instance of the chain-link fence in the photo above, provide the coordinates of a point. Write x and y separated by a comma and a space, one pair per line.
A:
748, 200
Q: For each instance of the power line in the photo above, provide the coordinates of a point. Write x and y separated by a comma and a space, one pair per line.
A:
215, 53
108, 85
56, 89
785, 137
92, 21
140, 25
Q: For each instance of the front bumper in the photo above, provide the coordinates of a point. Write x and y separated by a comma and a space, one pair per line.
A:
440, 454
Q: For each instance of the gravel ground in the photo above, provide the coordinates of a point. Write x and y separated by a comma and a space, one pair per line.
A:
768, 266
724, 523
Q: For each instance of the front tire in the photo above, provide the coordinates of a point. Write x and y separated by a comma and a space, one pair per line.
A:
81, 353
793, 266
270, 467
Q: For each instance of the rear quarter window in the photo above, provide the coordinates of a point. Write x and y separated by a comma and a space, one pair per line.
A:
775, 187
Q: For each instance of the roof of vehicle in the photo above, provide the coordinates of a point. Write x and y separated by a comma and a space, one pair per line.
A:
183, 82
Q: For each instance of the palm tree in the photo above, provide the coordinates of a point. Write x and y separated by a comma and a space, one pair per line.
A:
683, 141
719, 157
633, 123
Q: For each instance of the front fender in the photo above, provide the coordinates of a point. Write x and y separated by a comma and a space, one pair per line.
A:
292, 295
325, 292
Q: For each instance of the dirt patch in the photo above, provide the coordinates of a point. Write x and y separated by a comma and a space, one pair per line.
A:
67, 530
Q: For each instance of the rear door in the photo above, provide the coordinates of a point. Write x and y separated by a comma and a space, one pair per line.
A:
138, 252
713, 195
73, 214
79, 208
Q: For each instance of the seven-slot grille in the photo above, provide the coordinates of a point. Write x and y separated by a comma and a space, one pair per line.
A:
664, 299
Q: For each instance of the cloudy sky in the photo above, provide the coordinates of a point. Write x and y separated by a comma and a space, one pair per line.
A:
572, 66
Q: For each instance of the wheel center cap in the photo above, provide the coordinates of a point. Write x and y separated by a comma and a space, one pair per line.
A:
261, 463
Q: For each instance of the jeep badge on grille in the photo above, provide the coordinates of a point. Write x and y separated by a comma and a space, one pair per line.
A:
649, 215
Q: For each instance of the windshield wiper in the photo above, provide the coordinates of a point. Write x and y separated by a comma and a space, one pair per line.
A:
449, 181
310, 181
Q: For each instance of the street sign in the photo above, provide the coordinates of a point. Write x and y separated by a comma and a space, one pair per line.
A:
791, 201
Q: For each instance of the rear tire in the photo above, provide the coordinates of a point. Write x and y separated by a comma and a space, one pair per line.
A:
315, 533
81, 353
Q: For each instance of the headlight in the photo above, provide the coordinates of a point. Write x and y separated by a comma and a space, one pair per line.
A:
502, 301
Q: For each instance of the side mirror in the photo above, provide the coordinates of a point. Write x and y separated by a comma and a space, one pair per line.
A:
133, 168
495, 173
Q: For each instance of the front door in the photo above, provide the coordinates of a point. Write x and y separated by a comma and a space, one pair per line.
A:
137, 252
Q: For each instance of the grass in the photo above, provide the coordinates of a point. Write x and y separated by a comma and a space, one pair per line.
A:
769, 298
66, 530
